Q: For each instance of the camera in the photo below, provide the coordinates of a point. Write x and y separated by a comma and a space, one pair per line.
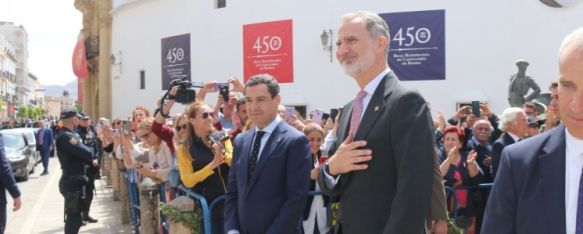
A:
219, 136
224, 91
186, 93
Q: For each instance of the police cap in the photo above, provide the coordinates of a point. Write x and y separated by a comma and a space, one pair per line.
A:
68, 113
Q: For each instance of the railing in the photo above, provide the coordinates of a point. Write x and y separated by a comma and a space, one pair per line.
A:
451, 191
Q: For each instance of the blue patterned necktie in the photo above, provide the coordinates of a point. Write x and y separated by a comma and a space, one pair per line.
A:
254, 154
579, 222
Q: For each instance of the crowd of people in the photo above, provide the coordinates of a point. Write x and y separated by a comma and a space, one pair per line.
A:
381, 163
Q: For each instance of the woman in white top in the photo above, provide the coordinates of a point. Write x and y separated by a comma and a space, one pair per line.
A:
154, 160
315, 220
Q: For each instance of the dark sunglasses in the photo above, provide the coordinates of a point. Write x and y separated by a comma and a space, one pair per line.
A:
205, 115
144, 136
180, 127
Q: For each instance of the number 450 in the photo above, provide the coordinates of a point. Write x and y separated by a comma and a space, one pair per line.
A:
267, 43
421, 35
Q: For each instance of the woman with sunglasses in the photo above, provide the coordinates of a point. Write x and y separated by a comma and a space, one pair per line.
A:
204, 165
157, 150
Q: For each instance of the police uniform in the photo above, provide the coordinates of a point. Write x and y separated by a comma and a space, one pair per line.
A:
74, 156
88, 137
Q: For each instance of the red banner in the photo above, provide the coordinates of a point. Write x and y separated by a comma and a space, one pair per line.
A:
268, 48
79, 60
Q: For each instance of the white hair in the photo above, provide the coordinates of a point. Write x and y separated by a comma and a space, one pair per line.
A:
574, 38
508, 116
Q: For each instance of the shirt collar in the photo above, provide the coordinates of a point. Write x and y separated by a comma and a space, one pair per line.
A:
574, 143
373, 84
514, 137
269, 129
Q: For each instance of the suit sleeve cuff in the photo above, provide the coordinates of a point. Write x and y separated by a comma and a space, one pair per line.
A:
330, 181
233, 231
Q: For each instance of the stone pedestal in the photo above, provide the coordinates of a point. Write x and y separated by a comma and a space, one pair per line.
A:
115, 177
149, 207
124, 197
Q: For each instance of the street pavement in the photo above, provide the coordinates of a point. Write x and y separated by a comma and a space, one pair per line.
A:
42, 207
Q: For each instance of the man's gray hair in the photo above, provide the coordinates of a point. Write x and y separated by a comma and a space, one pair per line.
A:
508, 116
375, 25
575, 37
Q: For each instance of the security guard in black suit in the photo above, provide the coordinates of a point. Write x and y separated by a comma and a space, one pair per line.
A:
88, 135
74, 156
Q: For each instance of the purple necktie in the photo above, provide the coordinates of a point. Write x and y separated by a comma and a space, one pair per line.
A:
579, 222
41, 135
356, 112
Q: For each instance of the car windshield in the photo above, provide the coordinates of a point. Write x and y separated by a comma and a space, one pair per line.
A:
13, 140
30, 137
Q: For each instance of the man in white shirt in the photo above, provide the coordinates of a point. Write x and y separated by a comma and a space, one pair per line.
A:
514, 124
539, 188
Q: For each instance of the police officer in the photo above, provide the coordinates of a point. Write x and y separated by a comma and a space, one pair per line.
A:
88, 135
73, 156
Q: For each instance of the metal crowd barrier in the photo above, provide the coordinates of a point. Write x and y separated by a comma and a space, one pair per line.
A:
134, 198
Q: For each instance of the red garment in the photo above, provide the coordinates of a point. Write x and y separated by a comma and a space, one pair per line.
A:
165, 133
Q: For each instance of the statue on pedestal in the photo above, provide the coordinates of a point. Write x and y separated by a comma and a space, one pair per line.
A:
520, 84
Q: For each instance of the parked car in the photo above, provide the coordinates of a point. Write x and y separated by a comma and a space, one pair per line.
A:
19, 152
30, 134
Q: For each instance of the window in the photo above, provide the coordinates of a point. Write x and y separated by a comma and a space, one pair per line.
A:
221, 4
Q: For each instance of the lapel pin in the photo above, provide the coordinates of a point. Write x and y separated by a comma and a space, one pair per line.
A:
376, 108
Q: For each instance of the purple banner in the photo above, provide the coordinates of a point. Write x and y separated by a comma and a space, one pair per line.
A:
175, 59
417, 49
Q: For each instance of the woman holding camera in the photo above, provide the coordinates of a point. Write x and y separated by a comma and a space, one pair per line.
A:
155, 160
204, 164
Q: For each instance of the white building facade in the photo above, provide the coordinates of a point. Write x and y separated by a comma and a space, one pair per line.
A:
18, 37
483, 40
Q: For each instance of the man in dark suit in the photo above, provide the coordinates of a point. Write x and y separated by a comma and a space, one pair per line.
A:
539, 186
269, 177
384, 162
514, 124
44, 140
7, 182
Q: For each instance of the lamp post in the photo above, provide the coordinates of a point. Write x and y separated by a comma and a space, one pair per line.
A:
327, 41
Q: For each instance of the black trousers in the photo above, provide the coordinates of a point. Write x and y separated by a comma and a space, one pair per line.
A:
73, 219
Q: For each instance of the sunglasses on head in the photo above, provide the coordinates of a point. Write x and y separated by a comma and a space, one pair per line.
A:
180, 127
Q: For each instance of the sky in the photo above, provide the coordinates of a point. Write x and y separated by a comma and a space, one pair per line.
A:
52, 27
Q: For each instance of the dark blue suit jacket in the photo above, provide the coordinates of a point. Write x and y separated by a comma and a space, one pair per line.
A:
529, 191
274, 199
497, 148
47, 138
7, 181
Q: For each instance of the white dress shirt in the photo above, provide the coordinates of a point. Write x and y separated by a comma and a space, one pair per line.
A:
268, 130
369, 89
573, 167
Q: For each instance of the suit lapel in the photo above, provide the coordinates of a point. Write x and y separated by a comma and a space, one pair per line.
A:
344, 123
552, 170
274, 140
375, 106
246, 144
